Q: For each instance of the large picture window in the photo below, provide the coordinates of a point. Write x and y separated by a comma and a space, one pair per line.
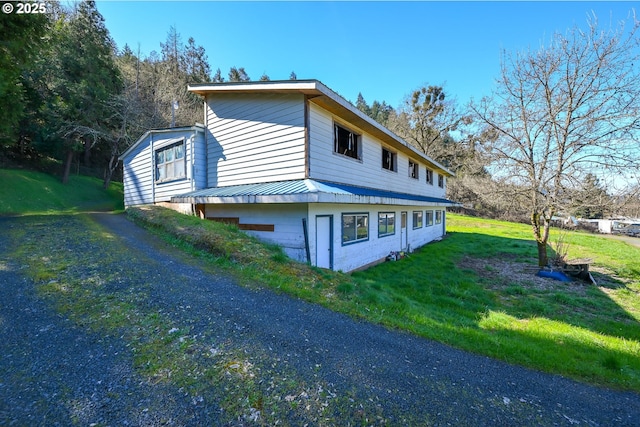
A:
170, 162
346, 142
386, 223
355, 227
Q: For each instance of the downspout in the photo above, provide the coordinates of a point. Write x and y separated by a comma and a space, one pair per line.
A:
306, 239
153, 173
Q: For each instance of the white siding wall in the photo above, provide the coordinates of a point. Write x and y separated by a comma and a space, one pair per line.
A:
254, 138
355, 255
138, 176
286, 218
368, 172
139, 169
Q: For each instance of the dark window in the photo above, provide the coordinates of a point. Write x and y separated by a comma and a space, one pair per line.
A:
413, 169
389, 160
440, 181
346, 142
429, 176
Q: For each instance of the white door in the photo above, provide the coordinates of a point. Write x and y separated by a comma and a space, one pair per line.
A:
403, 231
323, 241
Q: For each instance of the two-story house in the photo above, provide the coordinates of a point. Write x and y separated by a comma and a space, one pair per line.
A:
294, 163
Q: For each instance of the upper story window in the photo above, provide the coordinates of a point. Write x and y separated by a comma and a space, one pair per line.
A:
413, 169
429, 176
346, 142
389, 160
170, 164
440, 181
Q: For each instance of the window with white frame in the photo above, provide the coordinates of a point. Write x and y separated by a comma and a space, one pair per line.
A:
170, 162
417, 219
438, 217
413, 169
346, 142
429, 218
429, 176
355, 227
440, 181
389, 160
386, 223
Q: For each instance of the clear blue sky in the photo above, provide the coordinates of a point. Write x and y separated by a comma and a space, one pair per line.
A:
380, 49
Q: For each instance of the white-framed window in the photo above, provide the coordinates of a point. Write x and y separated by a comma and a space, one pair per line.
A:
389, 160
346, 142
429, 218
429, 176
440, 181
355, 227
170, 162
417, 219
386, 223
438, 217
413, 169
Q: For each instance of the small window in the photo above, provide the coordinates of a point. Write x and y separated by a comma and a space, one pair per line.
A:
346, 142
413, 169
417, 219
429, 176
438, 217
389, 160
429, 219
170, 164
386, 224
440, 181
355, 228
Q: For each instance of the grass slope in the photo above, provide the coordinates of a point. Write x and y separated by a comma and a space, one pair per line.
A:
26, 192
455, 291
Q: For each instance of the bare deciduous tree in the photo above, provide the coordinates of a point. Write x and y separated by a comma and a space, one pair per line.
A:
569, 109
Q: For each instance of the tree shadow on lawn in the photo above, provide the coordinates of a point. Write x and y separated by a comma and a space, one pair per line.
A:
511, 276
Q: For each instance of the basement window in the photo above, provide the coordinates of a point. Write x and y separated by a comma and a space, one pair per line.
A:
355, 228
170, 164
438, 217
417, 219
346, 142
389, 160
429, 218
386, 223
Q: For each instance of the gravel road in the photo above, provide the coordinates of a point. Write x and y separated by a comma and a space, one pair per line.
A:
54, 371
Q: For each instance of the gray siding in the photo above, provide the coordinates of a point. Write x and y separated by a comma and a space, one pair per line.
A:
254, 139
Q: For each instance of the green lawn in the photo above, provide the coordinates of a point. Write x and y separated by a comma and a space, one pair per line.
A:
25, 192
456, 291
474, 290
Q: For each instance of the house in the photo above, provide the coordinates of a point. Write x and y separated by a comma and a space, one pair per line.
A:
295, 164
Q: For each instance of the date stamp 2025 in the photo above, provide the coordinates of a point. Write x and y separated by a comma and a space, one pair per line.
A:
25, 8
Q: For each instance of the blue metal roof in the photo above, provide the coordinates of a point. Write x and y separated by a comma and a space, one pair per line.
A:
300, 187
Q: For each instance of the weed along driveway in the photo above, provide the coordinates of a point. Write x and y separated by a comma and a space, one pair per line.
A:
102, 323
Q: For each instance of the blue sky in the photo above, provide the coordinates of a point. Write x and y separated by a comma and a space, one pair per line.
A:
383, 50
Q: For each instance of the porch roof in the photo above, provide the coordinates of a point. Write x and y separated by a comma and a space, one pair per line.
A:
306, 191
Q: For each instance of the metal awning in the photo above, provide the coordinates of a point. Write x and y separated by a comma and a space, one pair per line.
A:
306, 191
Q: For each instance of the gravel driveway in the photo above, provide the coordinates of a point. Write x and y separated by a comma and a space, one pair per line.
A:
328, 369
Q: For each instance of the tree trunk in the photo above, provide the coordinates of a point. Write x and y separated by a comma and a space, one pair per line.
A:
541, 234
543, 259
67, 167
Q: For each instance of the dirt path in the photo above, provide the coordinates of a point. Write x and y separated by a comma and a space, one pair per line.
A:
310, 365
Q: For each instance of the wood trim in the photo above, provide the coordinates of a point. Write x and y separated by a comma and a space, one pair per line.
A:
248, 227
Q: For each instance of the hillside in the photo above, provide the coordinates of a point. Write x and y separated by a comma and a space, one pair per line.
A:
25, 192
